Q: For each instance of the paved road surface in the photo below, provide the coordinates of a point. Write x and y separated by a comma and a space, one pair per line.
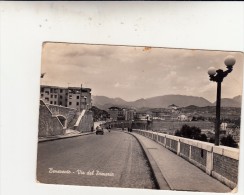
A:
114, 159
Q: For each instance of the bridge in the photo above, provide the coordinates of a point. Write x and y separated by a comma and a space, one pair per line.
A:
55, 120
193, 160
219, 162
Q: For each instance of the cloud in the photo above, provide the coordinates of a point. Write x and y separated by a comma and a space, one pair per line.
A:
133, 72
122, 85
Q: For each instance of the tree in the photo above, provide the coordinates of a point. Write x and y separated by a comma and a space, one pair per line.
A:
178, 133
211, 140
229, 141
191, 133
203, 137
196, 133
186, 131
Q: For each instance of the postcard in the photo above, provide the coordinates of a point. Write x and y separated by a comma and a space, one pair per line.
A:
139, 117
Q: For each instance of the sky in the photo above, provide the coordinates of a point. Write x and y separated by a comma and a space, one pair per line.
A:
132, 73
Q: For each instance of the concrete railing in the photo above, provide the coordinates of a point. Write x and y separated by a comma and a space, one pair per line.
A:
84, 122
79, 118
49, 124
68, 113
219, 162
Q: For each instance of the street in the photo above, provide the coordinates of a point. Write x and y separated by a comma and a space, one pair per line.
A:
114, 159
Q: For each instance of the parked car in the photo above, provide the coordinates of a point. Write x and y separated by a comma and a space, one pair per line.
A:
99, 130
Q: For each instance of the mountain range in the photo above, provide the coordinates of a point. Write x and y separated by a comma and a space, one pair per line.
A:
164, 101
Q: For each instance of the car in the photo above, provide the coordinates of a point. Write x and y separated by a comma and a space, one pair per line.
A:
99, 130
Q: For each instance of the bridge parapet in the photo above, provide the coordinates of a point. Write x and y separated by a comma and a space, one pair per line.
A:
220, 162
49, 125
85, 122
68, 113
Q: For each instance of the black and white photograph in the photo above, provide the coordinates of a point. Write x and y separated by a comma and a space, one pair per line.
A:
121, 97
139, 117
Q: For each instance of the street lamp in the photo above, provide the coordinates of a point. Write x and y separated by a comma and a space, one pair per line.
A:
218, 76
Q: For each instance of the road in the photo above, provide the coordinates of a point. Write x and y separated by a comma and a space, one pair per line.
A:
114, 159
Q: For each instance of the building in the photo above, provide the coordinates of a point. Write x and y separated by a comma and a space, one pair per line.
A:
86, 98
74, 98
71, 97
161, 115
116, 113
113, 113
182, 117
173, 107
129, 115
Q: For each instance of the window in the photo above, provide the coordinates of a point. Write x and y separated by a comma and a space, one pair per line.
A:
42, 89
61, 91
47, 99
78, 97
55, 96
70, 103
55, 102
47, 92
51, 102
77, 103
61, 97
70, 96
51, 96
42, 95
60, 103
51, 90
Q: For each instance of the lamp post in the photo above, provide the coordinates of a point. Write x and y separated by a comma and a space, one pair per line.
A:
218, 76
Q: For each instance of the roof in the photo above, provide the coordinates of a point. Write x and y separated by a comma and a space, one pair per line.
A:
49, 86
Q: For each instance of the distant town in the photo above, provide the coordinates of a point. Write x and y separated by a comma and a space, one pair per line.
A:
169, 120
166, 119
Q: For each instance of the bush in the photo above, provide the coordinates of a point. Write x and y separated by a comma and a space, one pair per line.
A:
191, 133
178, 133
229, 141
203, 138
212, 140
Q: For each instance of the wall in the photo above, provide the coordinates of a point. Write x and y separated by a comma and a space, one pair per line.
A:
68, 113
218, 161
85, 122
49, 125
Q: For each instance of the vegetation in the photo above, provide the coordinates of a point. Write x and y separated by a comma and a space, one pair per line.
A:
198, 118
228, 141
98, 114
195, 133
191, 133
212, 140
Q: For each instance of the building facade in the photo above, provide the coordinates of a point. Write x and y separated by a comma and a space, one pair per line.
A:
129, 115
71, 97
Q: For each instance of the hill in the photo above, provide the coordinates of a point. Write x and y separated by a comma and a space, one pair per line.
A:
98, 114
104, 102
231, 102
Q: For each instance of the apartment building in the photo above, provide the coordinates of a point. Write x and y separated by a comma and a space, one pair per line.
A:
72, 97
129, 115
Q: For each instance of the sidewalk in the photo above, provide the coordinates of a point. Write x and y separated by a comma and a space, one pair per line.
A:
51, 138
174, 173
